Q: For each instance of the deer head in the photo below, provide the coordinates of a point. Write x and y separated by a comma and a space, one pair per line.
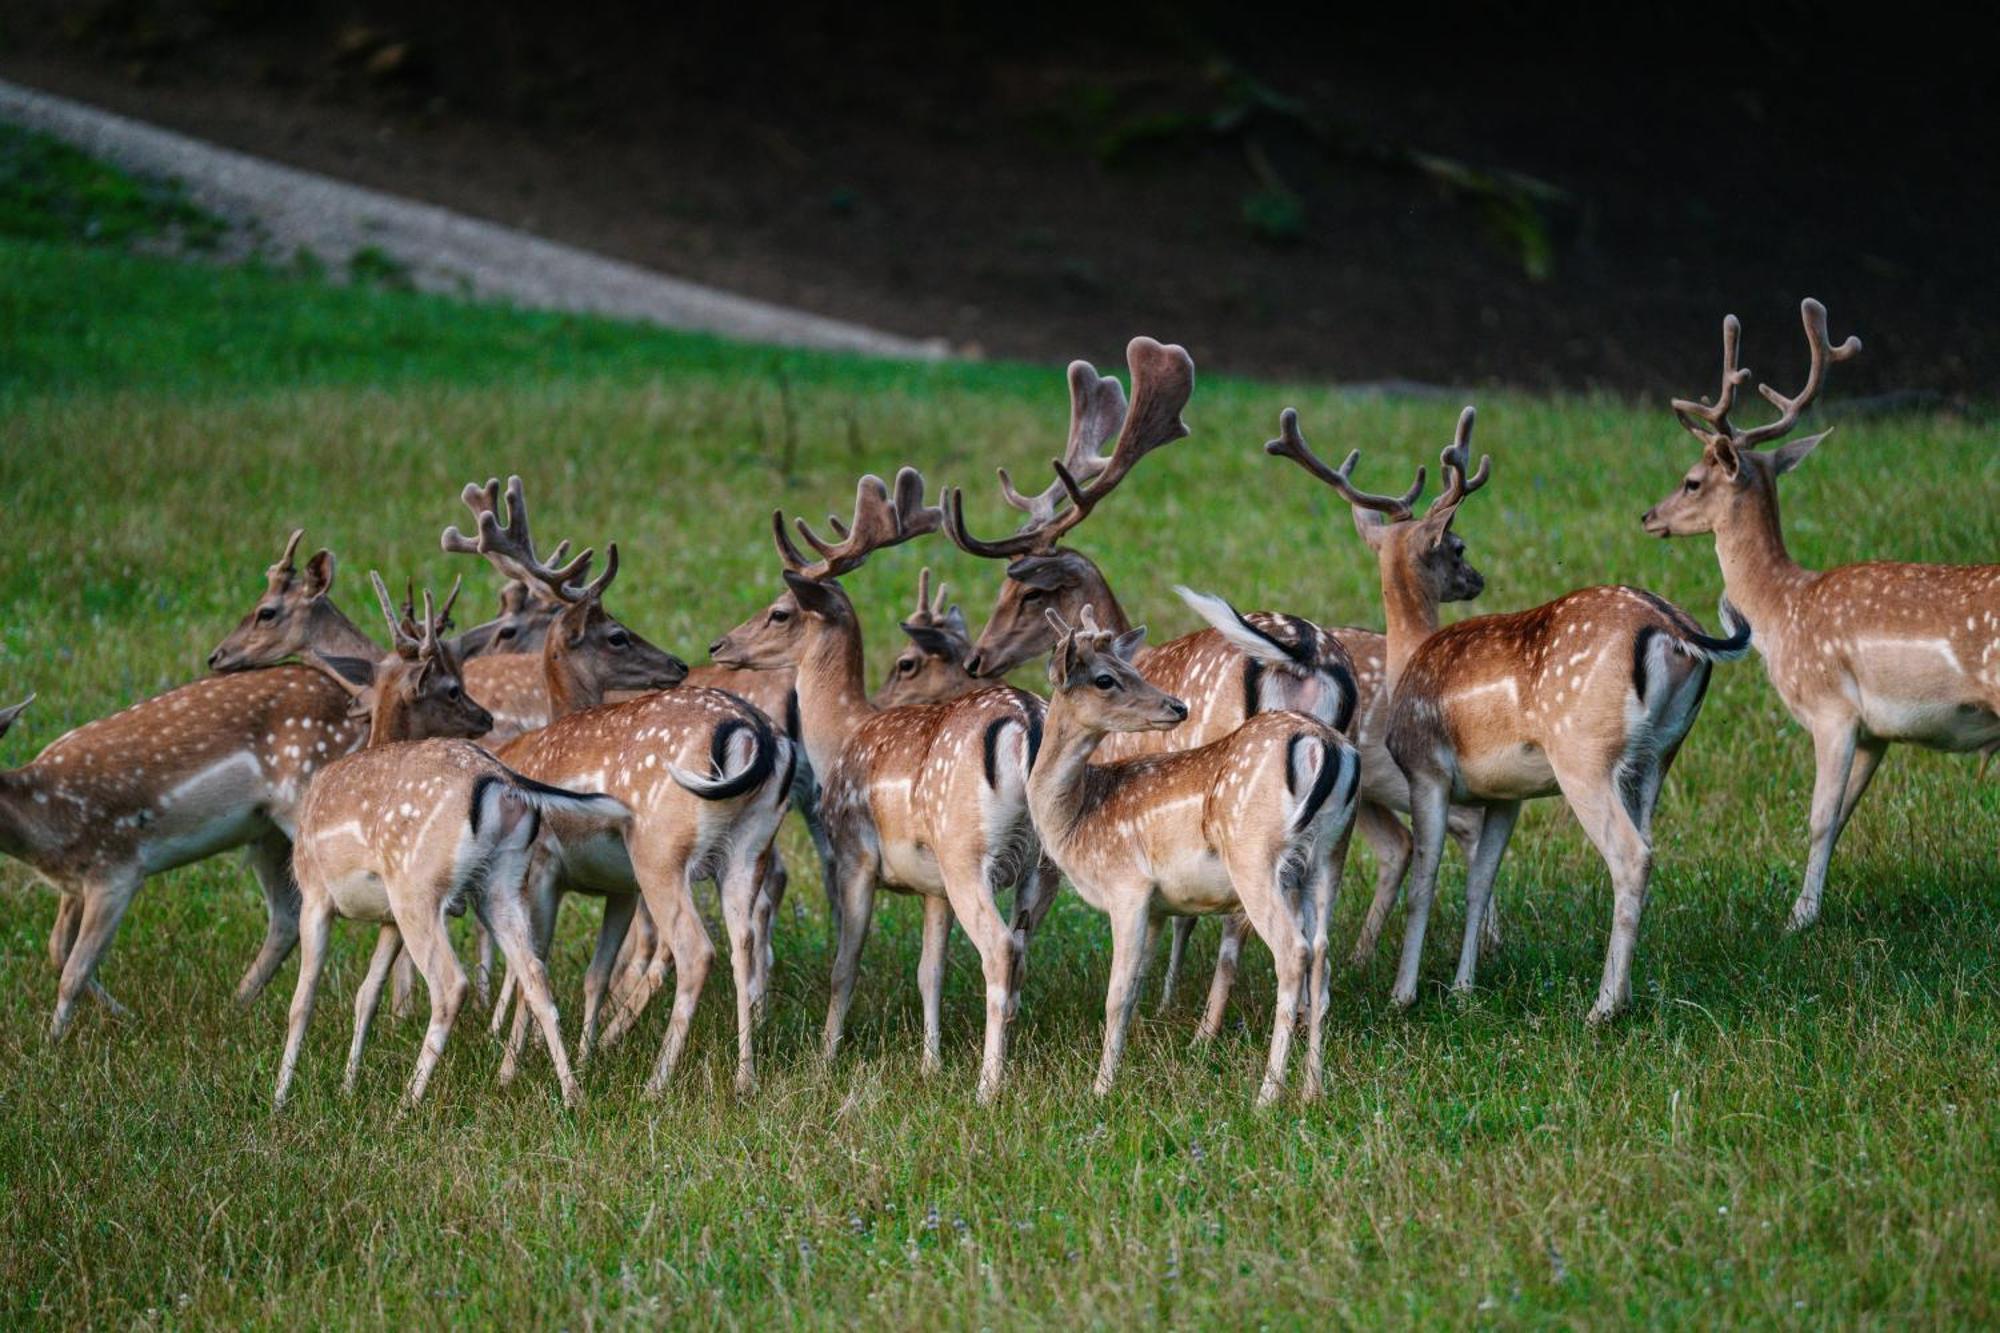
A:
775, 637
523, 623
280, 624
1093, 679
1425, 549
1732, 473
1042, 575
586, 648
931, 669
417, 693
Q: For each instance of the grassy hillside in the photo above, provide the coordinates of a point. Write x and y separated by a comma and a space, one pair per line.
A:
1785, 1131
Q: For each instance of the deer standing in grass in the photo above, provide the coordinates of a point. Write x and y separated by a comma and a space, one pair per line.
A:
1242, 665
1589, 697
926, 799
410, 830
1250, 824
216, 764
1863, 655
705, 775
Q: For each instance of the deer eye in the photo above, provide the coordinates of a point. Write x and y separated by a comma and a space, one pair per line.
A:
1691, 485
1032, 595
505, 632
619, 639
1104, 682
267, 613
906, 665
452, 691
780, 617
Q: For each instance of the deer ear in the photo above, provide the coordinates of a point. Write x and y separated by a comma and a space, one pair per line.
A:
1045, 572
1725, 456
954, 622
820, 598
1788, 456
1125, 645
1372, 526
319, 572
7, 715
934, 641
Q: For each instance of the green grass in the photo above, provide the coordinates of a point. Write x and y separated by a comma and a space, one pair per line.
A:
1785, 1131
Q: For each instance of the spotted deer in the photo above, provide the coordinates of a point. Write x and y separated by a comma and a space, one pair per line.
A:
927, 799
296, 613
1239, 666
931, 669
1249, 824
1589, 697
412, 829
213, 765
704, 774
1864, 655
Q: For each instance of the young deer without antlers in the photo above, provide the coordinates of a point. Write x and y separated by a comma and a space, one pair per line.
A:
215, 764
1242, 665
1248, 824
1863, 655
1384, 790
927, 799
703, 773
406, 833
1588, 696
296, 615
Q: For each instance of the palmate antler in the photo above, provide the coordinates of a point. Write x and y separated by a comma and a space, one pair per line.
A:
881, 519
1162, 383
1709, 422
509, 547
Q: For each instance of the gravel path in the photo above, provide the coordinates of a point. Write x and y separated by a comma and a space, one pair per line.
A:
443, 251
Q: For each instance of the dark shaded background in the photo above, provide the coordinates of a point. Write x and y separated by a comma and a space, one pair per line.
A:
1538, 194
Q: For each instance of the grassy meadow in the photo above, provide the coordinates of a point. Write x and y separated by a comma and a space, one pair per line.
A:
1784, 1131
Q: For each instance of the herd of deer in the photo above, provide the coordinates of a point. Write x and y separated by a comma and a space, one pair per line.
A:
553, 750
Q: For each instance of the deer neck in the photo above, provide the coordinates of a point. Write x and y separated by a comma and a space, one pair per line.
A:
1410, 613
389, 722
18, 827
833, 692
569, 691
330, 633
1060, 785
1758, 573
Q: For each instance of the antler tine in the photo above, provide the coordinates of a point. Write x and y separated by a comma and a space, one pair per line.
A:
428, 646
285, 565
1028, 539
594, 590
1704, 419
923, 595
941, 607
509, 546
1096, 408
1291, 443
444, 612
880, 520
1162, 383
1458, 485
399, 634
1813, 315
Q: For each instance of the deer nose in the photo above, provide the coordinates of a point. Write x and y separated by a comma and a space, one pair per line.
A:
1178, 709
972, 665
717, 646
215, 659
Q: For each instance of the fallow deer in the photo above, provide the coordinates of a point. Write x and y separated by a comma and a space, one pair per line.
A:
1242, 665
705, 775
408, 831
1249, 823
1589, 697
931, 669
1863, 655
216, 764
926, 799
296, 613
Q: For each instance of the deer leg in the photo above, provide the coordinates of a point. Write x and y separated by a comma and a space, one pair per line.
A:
1033, 897
969, 886
1465, 823
315, 924
741, 886
104, 903
1235, 929
930, 978
482, 967
1481, 869
62, 935
1615, 831
612, 932
1429, 809
1178, 934
1323, 877
857, 907
772, 881
1868, 756
1833, 755
671, 901
1267, 906
509, 923
427, 939
403, 990
1132, 929
270, 860
1390, 841
632, 985
805, 800
388, 943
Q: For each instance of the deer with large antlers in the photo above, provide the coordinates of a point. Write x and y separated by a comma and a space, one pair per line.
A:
928, 799
1243, 664
705, 776
1588, 697
1863, 655
409, 831
1246, 824
216, 764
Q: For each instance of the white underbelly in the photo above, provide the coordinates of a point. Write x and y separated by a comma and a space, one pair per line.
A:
1942, 726
176, 843
911, 869
1195, 883
1515, 772
361, 896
